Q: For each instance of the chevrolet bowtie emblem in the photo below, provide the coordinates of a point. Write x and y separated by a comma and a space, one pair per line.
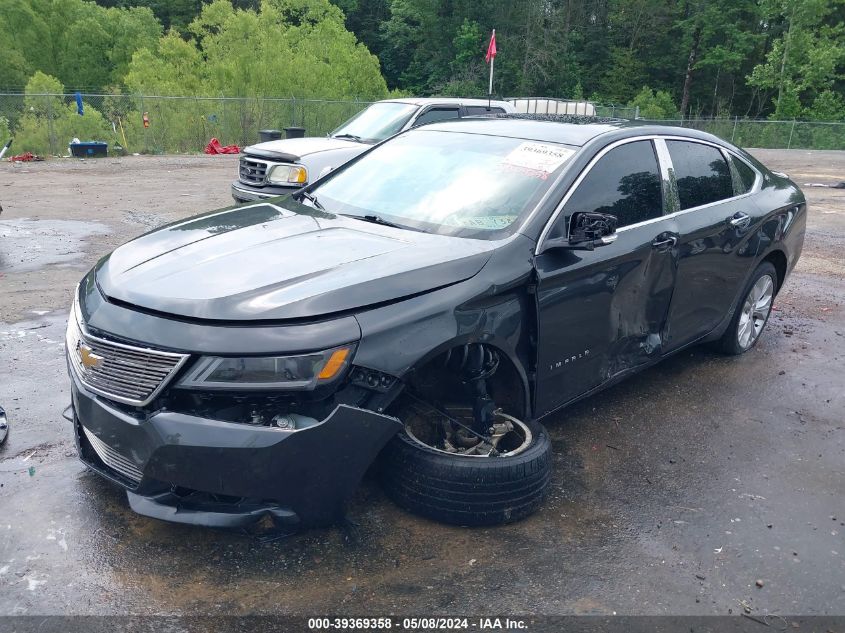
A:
87, 356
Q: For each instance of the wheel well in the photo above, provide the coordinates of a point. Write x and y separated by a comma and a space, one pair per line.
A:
778, 260
437, 382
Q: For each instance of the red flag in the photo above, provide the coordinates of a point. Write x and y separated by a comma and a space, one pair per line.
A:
491, 48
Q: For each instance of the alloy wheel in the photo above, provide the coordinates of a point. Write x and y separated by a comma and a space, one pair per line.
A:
755, 311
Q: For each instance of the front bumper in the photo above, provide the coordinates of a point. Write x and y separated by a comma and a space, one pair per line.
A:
245, 193
223, 474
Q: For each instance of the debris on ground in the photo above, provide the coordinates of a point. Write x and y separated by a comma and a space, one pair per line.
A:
745, 606
778, 622
759, 583
214, 147
26, 157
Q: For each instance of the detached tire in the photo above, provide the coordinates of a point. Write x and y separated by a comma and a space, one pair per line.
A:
463, 490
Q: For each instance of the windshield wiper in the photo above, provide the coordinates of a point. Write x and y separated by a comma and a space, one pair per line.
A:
357, 139
312, 199
374, 219
377, 219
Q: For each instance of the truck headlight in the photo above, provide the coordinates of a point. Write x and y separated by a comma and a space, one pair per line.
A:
268, 372
288, 175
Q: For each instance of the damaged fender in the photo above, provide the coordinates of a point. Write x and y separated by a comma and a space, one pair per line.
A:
400, 338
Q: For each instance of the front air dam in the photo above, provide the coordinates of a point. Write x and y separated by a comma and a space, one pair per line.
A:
224, 474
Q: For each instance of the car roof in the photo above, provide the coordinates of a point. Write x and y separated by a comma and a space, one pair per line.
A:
421, 101
577, 131
565, 133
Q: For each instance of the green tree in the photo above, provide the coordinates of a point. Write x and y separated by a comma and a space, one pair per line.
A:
654, 104
304, 51
806, 55
827, 106
50, 122
715, 37
25, 38
84, 45
5, 130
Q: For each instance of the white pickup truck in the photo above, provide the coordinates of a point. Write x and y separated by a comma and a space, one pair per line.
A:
276, 168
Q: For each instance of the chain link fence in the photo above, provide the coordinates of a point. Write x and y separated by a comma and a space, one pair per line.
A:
763, 133
46, 123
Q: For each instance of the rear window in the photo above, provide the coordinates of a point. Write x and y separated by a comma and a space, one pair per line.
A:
701, 172
436, 114
747, 176
482, 110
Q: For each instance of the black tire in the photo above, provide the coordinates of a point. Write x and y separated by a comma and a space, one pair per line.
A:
470, 491
729, 343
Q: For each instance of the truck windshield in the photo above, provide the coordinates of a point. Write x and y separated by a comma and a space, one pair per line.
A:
377, 122
452, 183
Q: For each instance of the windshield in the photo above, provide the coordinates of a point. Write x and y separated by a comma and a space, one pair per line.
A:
377, 122
469, 185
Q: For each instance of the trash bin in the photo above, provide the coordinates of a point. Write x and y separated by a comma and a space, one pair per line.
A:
89, 149
269, 135
295, 132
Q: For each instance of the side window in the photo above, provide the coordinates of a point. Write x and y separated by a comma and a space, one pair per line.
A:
747, 176
625, 182
701, 172
436, 114
482, 110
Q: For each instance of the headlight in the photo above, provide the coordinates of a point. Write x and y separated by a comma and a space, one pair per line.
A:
287, 175
268, 372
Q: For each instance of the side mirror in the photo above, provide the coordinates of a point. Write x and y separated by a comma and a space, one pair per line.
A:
587, 231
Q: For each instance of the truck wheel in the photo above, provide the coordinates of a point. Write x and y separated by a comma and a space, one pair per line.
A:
470, 489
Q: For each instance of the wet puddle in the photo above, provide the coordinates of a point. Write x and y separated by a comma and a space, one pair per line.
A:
27, 245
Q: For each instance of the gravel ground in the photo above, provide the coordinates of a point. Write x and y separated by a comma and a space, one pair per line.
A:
673, 492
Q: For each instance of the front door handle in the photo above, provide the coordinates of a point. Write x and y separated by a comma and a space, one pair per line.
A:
664, 241
739, 220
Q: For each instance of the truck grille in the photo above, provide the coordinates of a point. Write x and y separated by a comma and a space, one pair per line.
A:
252, 171
125, 373
112, 458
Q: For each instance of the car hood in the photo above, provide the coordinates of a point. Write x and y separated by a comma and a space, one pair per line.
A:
281, 260
295, 149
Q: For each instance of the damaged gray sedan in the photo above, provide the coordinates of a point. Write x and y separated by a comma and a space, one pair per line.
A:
418, 310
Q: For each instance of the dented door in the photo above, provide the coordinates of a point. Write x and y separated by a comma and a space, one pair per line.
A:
600, 312
604, 311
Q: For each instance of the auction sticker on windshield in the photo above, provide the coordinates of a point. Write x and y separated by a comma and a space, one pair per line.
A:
538, 157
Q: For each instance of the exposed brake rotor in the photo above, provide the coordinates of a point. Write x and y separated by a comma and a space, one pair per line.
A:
506, 436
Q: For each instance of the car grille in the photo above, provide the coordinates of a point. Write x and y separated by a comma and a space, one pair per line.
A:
112, 458
125, 373
252, 171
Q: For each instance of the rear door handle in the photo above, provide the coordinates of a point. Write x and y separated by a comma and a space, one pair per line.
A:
739, 220
664, 241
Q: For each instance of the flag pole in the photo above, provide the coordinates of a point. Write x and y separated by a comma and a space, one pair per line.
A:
490, 86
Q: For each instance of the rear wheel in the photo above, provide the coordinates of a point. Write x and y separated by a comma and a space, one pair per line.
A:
752, 313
